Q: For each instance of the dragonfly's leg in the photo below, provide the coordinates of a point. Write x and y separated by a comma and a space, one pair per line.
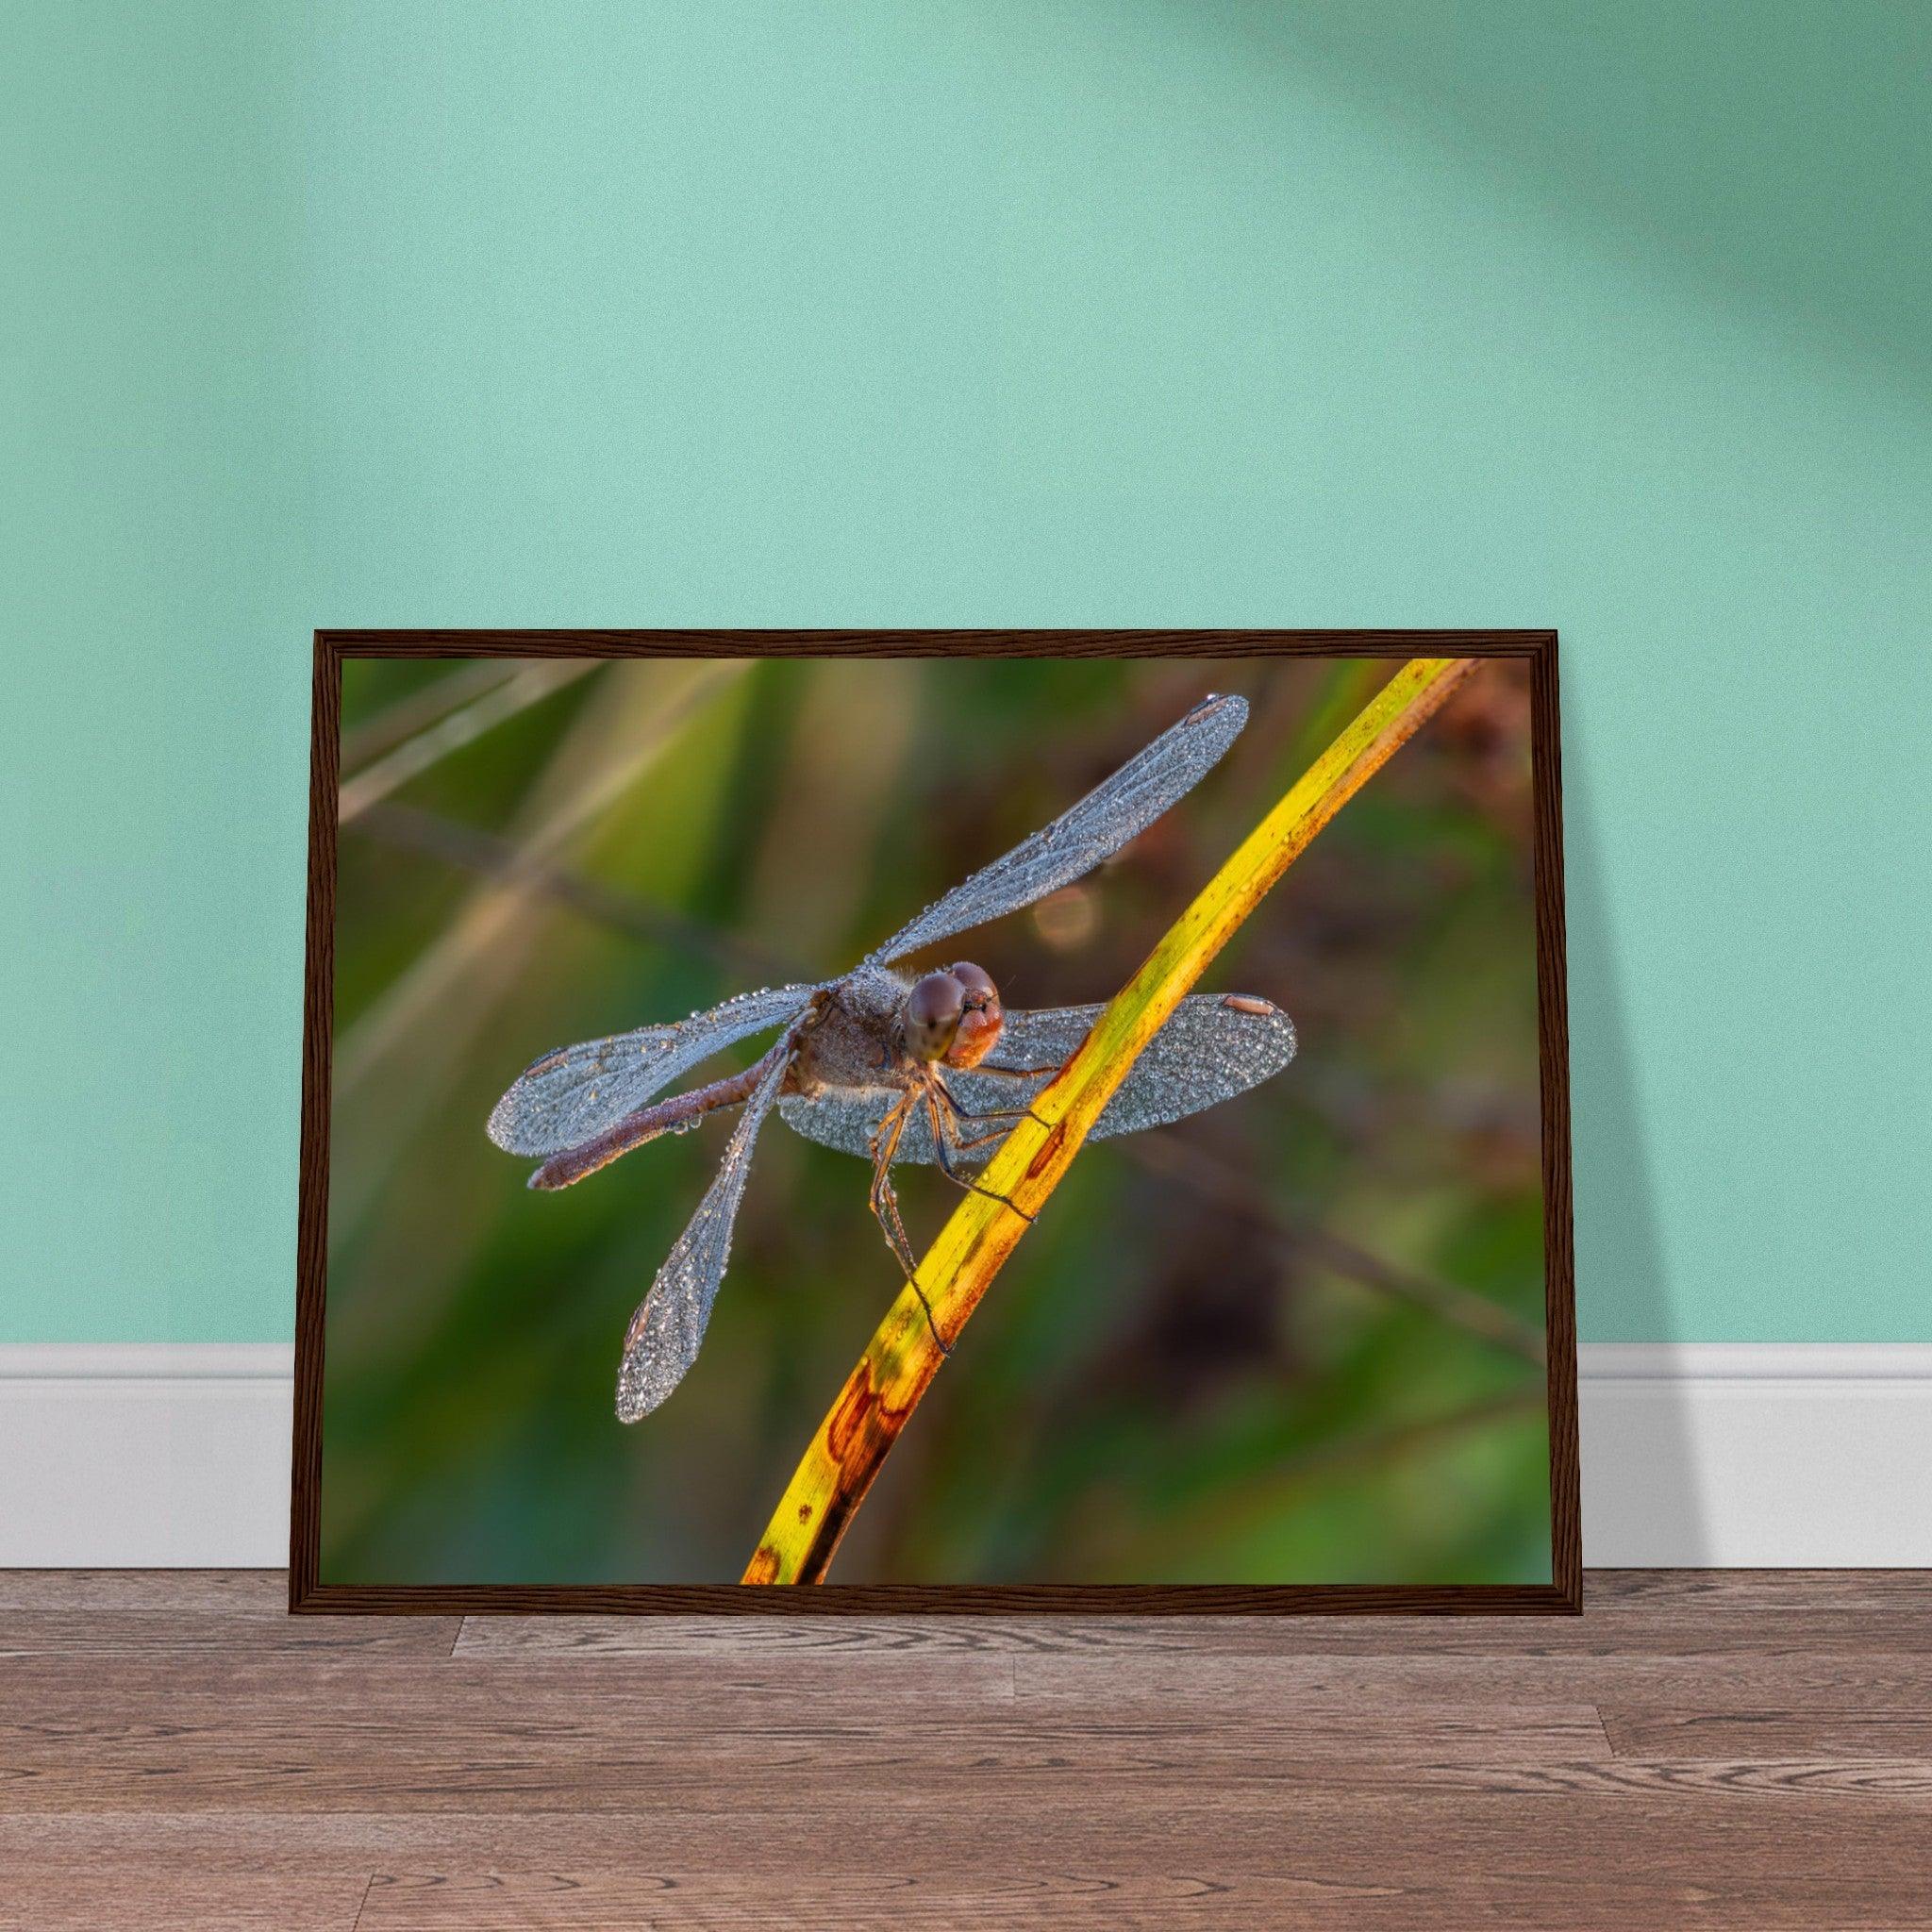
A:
990, 1113
884, 1199
887, 1209
901, 1250
943, 1136
994, 1113
885, 1144
884, 1203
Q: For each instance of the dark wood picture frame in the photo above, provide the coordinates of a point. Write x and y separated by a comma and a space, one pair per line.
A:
1562, 1594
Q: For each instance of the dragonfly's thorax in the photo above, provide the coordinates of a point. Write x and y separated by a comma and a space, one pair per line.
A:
853, 1038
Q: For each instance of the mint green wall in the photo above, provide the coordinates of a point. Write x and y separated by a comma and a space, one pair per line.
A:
1611, 317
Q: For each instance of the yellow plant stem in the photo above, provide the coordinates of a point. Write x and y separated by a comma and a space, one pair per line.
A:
900, 1361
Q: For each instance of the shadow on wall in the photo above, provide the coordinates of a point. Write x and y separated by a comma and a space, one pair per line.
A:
1775, 152
1771, 157
1620, 1261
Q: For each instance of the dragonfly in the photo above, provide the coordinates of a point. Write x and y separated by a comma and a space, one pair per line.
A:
895, 1068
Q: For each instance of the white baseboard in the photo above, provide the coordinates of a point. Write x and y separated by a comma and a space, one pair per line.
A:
157, 1455
1700, 1454
1756, 1453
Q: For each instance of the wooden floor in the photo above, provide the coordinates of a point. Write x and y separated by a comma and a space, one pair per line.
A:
1699, 1749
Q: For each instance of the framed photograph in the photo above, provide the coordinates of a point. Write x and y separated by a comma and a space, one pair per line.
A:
945, 1120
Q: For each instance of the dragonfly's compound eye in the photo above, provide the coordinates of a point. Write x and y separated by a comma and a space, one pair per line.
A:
933, 1011
981, 1020
977, 983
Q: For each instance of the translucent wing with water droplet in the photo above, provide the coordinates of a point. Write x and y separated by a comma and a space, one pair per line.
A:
664, 1335
567, 1097
1084, 834
1212, 1047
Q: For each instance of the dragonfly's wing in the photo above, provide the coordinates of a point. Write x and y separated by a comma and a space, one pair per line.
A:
848, 1117
1077, 841
567, 1096
1214, 1047
662, 1339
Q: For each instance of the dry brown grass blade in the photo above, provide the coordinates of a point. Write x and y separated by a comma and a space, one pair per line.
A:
899, 1363
394, 768
379, 734
393, 1062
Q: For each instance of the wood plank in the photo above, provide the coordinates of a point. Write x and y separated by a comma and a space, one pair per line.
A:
26, 1635
611, 1900
1626, 1613
1357, 1836
1238, 1684
188, 1593
159, 1897
331, 1687
882, 1786
1692, 1816
850, 1693
106, 1612
465, 1757
179, 1875
1871, 1731
1683, 1632
1326, 1854
625, 1733
580, 1901
1760, 1592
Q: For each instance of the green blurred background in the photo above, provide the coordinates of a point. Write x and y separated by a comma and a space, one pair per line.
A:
1297, 1339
